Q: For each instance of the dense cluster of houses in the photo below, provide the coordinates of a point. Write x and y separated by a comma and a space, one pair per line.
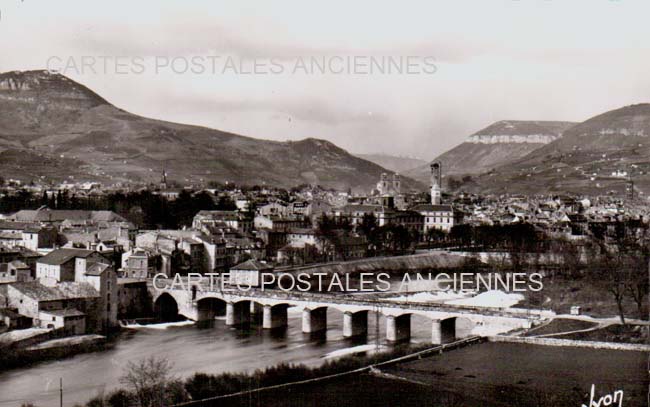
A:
81, 271
559, 216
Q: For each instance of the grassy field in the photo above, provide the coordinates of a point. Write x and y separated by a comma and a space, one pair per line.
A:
490, 374
561, 325
613, 333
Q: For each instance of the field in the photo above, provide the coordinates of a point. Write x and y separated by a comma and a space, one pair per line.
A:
490, 374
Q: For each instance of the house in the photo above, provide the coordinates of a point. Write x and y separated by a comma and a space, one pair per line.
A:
89, 267
299, 237
139, 264
69, 319
356, 212
50, 307
249, 273
233, 219
299, 208
13, 320
39, 237
66, 265
441, 217
15, 271
273, 209
68, 217
277, 223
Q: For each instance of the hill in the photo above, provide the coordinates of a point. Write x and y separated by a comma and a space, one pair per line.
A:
393, 163
54, 128
498, 144
595, 157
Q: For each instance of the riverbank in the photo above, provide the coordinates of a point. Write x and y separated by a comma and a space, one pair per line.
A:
202, 389
54, 349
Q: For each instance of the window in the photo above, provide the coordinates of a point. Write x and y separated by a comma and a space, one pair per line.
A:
53, 318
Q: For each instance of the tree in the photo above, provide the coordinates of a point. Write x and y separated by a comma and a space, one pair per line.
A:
368, 224
435, 235
225, 203
148, 380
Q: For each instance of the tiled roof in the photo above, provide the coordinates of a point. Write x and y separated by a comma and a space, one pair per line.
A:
252, 265
68, 312
9, 225
432, 208
62, 291
17, 264
61, 256
96, 269
10, 235
55, 215
366, 208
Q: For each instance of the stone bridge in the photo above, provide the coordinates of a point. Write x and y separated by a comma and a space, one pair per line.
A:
448, 322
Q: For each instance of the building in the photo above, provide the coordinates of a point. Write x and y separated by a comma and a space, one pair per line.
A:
234, 219
66, 265
273, 209
74, 306
441, 217
249, 273
40, 237
15, 271
139, 264
436, 183
437, 215
356, 212
392, 186
68, 217
83, 268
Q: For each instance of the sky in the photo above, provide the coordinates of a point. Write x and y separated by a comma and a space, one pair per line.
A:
288, 70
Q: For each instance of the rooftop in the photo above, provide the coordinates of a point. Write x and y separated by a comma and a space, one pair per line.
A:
252, 265
62, 291
62, 256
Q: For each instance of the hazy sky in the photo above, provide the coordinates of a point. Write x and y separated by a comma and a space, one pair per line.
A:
485, 60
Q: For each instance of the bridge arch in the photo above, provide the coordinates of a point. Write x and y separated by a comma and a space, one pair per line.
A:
208, 308
314, 320
398, 327
238, 312
166, 308
464, 327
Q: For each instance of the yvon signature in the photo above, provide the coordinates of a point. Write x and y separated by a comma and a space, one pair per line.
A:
606, 400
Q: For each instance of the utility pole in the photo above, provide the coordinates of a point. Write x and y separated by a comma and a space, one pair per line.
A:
376, 328
60, 391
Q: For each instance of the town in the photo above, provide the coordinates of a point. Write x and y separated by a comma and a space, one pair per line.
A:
73, 271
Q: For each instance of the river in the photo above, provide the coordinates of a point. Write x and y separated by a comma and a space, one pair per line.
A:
191, 349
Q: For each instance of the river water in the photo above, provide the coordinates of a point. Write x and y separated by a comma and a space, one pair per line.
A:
191, 349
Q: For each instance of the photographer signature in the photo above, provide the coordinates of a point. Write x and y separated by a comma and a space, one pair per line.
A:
606, 400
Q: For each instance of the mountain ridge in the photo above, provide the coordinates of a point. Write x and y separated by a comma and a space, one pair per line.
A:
601, 155
499, 143
82, 135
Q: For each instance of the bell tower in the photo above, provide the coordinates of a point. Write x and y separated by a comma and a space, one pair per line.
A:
436, 183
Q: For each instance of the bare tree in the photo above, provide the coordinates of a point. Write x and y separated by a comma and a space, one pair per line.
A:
147, 379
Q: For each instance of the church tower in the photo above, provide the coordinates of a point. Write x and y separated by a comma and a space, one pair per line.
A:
397, 184
436, 184
163, 180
